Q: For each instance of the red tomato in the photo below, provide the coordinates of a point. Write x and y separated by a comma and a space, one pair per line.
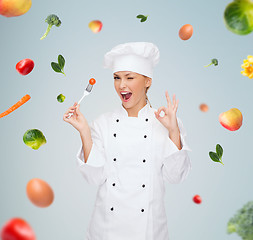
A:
17, 229
92, 81
25, 66
197, 199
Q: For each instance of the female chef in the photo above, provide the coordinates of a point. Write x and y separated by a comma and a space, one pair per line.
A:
130, 152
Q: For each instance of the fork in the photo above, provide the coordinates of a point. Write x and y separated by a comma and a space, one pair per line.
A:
85, 93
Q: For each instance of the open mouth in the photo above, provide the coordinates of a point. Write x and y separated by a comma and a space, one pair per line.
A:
126, 95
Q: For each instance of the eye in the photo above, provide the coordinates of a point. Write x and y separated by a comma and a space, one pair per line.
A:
130, 78
116, 77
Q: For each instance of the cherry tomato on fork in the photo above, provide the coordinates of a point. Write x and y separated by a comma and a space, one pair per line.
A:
92, 81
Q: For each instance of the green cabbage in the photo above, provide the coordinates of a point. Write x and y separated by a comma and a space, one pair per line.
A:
60, 98
238, 17
34, 138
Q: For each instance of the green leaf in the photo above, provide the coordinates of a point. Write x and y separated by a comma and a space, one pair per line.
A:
140, 16
144, 19
219, 150
61, 61
56, 67
214, 156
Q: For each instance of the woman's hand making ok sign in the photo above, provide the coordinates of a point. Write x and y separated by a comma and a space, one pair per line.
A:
169, 120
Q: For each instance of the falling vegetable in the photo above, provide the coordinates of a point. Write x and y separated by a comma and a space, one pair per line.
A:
197, 199
214, 61
143, 18
17, 229
238, 17
217, 157
58, 67
60, 98
52, 19
25, 66
242, 222
16, 105
248, 67
34, 138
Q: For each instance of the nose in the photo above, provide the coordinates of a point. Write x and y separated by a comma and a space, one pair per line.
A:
122, 84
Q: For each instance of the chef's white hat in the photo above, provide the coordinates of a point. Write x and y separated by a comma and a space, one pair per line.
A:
139, 57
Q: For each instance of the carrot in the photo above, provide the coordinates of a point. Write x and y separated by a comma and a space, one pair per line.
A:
16, 105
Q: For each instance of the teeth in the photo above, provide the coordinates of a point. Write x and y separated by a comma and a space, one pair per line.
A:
124, 94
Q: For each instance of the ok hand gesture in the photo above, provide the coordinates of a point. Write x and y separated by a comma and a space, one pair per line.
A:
169, 120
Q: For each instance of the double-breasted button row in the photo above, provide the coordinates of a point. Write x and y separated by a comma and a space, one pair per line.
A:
145, 136
113, 184
115, 159
143, 185
142, 210
117, 120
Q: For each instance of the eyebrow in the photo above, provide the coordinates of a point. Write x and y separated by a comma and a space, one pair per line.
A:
118, 75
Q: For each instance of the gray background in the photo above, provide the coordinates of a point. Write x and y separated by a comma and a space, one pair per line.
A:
224, 189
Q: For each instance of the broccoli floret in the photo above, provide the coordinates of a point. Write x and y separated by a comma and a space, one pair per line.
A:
214, 61
51, 20
242, 222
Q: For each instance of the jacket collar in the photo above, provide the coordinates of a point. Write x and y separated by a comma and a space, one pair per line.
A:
144, 112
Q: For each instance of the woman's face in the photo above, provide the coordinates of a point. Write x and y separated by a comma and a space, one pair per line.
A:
134, 85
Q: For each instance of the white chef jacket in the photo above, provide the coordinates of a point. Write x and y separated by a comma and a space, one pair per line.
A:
130, 159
